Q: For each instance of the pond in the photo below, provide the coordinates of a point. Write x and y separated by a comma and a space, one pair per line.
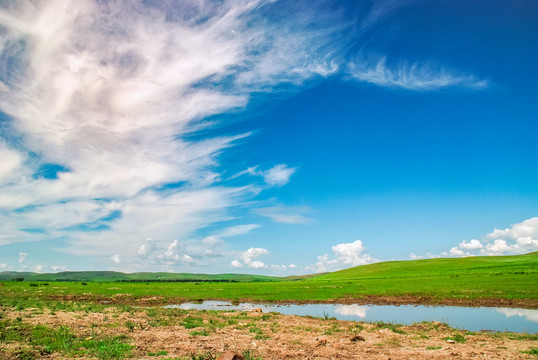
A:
468, 318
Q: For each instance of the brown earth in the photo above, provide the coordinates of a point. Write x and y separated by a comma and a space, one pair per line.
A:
128, 299
276, 336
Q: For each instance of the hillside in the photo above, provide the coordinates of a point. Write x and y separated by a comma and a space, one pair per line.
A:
487, 265
111, 276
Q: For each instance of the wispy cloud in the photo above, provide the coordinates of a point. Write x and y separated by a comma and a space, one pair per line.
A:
285, 215
109, 91
412, 76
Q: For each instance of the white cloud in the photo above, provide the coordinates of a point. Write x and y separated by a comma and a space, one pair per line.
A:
278, 175
292, 266
38, 268
352, 253
285, 215
115, 259
236, 264
237, 230
471, 245
346, 254
56, 268
253, 253
256, 265
520, 238
412, 76
22, 257
249, 257
3, 266
10, 164
111, 91
113, 104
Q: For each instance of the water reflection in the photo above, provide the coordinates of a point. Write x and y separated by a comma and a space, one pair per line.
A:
473, 319
531, 315
351, 310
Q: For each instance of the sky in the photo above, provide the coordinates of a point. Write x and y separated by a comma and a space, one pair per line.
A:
265, 137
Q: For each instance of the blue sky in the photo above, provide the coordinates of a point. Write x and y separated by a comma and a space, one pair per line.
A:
270, 137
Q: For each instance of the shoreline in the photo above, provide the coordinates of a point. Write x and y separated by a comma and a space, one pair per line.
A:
155, 300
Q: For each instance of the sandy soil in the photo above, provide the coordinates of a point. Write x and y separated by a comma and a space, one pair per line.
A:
275, 336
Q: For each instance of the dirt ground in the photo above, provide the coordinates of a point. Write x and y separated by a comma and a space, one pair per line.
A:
179, 334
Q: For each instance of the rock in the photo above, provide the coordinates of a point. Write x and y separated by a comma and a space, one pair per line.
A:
230, 355
258, 310
450, 341
322, 342
357, 338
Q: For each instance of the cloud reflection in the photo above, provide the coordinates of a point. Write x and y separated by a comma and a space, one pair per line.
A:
352, 310
531, 315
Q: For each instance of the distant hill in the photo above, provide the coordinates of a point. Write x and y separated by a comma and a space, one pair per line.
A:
112, 276
490, 265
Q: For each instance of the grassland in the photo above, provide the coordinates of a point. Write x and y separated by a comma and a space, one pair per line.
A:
105, 319
477, 281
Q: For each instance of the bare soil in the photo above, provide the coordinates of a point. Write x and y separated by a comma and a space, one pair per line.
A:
128, 299
276, 336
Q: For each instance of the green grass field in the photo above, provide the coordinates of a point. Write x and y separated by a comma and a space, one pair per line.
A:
432, 280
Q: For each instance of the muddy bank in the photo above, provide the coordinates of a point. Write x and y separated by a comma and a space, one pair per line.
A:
180, 334
128, 299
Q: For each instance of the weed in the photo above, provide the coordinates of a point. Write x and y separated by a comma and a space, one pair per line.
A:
206, 356
192, 322
158, 353
459, 338
532, 351
130, 325
434, 348
202, 332
251, 355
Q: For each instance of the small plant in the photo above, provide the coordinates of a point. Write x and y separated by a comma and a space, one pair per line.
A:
130, 326
192, 322
158, 353
434, 348
532, 351
251, 355
206, 356
202, 332
459, 338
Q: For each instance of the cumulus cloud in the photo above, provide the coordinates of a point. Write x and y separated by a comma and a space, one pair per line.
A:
249, 258
285, 215
471, 245
22, 257
352, 253
346, 254
115, 259
520, 238
236, 264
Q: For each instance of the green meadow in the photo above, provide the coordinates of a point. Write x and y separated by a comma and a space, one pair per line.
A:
446, 280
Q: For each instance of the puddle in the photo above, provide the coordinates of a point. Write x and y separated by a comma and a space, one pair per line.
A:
469, 318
